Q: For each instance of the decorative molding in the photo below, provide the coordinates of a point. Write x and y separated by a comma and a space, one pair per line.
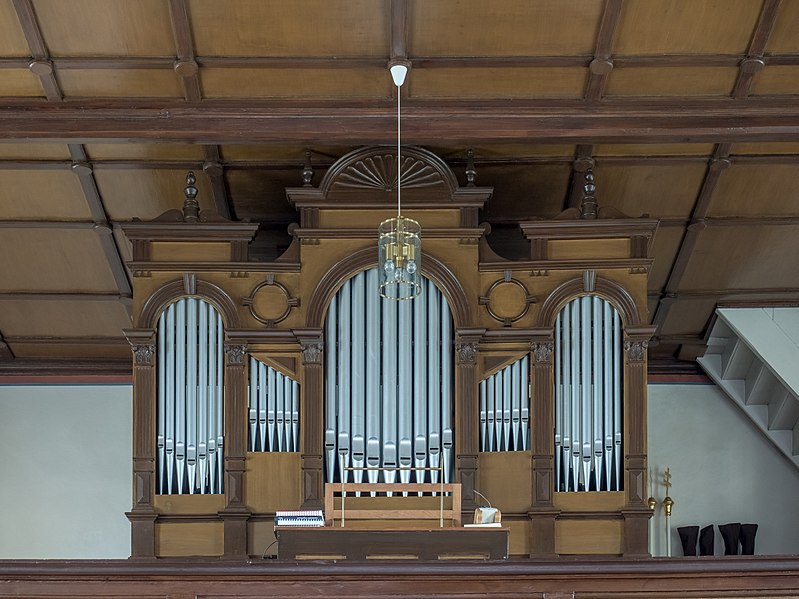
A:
162, 297
190, 283
312, 352
505, 281
542, 351
605, 288
251, 300
235, 353
636, 350
144, 354
467, 351
589, 281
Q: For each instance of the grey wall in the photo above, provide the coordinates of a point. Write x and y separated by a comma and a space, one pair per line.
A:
723, 469
65, 472
66, 463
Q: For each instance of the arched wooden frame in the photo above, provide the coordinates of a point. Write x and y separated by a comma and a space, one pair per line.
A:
604, 288
174, 290
432, 268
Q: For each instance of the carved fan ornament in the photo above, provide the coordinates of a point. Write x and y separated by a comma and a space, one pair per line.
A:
380, 172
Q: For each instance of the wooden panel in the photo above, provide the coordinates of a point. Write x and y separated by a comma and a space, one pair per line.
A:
353, 218
765, 148
106, 27
20, 82
784, 38
282, 153
12, 40
605, 501
503, 27
148, 151
679, 27
31, 151
46, 259
521, 192
296, 83
42, 195
212, 252
671, 81
147, 193
659, 190
120, 83
519, 537
273, 481
689, 316
505, 479
644, 150
777, 79
509, 151
584, 537
67, 318
588, 248
189, 504
274, 28
499, 82
189, 539
751, 190
664, 250
92, 349
744, 257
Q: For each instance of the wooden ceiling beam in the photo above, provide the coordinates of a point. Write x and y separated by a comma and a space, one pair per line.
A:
40, 65
602, 65
185, 65
91, 192
216, 174
754, 62
458, 122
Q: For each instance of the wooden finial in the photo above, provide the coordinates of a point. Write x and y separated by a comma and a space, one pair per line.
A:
588, 205
191, 207
471, 173
307, 171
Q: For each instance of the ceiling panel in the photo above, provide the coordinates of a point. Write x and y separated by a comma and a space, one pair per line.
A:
275, 28
744, 257
689, 316
71, 318
147, 193
12, 41
658, 190
777, 79
498, 82
765, 148
503, 27
680, 27
108, 348
367, 82
664, 250
283, 153
646, 150
144, 151
757, 190
506, 151
524, 192
784, 38
19, 83
69, 260
261, 194
106, 27
671, 81
33, 151
41, 195
119, 83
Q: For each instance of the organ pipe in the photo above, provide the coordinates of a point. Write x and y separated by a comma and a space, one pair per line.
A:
504, 401
273, 409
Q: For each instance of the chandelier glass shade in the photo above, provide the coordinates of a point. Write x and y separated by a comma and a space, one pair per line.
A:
399, 241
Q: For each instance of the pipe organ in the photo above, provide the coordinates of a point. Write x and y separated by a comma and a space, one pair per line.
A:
190, 438
388, 385
588, 396
505, 409
274, 410
256, 381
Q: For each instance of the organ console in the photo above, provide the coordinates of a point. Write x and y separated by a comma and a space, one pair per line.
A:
534, 392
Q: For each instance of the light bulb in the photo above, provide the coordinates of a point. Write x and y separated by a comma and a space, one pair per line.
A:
411, 268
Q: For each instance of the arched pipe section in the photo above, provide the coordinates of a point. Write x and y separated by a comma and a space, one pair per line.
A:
604, 288
173, 290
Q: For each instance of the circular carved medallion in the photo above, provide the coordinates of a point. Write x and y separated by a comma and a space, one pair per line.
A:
270, 302
507, 300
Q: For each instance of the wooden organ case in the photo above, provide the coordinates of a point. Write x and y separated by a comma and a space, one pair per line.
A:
506, 317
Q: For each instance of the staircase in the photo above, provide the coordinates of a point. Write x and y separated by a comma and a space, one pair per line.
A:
753, 355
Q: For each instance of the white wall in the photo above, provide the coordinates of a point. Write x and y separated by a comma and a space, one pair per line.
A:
65, 472
66, 463
723, 469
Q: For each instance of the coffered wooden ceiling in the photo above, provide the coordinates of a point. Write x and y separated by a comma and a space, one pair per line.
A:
687, 110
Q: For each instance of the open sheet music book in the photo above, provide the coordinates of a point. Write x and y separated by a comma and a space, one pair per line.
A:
300, 518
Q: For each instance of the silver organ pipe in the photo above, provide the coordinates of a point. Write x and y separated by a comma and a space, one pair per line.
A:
389, 384
273, 408
189, 397
588, 427
505, 400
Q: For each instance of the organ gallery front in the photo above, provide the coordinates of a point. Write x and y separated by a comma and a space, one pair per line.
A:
256, 383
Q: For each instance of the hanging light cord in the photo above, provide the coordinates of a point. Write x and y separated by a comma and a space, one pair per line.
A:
399, 183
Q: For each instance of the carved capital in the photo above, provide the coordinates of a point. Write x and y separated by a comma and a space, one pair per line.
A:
467, 352
542, 351
312, 352
235, 353
636, 350
144, 354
